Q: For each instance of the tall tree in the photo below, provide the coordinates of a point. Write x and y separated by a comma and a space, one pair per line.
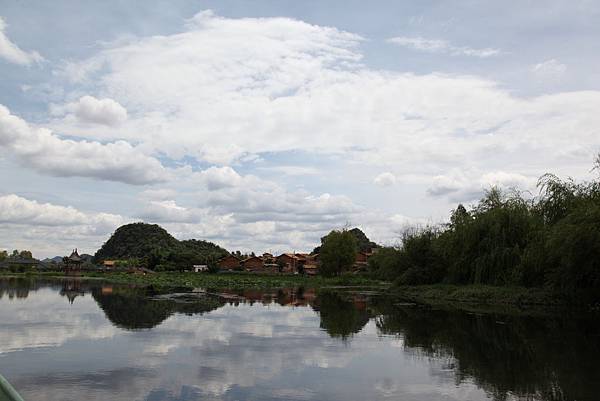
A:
338, 252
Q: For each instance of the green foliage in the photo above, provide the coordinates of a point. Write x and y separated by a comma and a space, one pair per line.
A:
386, 263
421, 261
417, 261
3, 255
506, 240
485, 245
152, 246
135, 240
573, 249
363, 243
25, 254
338, 253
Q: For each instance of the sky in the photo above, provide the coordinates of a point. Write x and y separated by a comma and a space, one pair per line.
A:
263, 125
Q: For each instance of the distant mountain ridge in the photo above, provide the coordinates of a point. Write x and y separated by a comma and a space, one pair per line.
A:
56, 259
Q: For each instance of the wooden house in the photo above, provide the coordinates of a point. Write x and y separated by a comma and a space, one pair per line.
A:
361, 257
230, 262
361, 261
253, 263
289, 262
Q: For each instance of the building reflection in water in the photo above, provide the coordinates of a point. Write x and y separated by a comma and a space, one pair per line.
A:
529, 355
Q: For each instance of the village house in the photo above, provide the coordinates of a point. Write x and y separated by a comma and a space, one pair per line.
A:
109, 264
253, 264
289, 262
200, 268
230, 262
311, 265
268, 258
361, 261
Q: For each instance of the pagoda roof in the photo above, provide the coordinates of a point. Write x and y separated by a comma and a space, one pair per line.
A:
75, 256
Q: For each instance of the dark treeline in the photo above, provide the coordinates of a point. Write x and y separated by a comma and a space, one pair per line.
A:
507, 239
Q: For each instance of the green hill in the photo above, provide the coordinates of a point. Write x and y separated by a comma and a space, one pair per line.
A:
152, 246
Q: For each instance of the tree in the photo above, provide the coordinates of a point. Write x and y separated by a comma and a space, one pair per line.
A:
25, 254
3, 255
363, 243
338, 253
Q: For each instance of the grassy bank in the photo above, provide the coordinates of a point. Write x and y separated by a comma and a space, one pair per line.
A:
230, 281
439, 294
458, 296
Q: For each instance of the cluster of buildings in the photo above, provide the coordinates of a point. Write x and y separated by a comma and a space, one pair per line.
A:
301, 263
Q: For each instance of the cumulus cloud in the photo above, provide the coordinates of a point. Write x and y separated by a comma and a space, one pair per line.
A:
442, 46
42, 150
48, 229
88, 109
227, 91
168, 211
12, 53
219, 177
385, 179
461, 187
224, 89
247, 212
18, 210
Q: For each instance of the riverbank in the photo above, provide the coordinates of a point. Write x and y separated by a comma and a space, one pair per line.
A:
456, 296
222, 280
478, 294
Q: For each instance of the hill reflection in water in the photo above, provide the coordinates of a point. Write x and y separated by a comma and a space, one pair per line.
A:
244, 343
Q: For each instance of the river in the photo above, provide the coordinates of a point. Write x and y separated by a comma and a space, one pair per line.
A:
88, 340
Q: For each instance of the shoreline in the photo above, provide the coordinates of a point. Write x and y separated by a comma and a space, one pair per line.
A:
435, 295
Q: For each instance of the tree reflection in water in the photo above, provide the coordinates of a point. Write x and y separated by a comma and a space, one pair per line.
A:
543, 356
537, 357
340, 316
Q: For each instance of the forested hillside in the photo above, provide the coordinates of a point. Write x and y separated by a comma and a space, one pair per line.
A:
152, 246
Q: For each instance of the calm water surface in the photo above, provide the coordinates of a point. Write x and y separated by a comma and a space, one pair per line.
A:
69, 340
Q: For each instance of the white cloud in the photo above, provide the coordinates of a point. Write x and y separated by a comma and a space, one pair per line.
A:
292, 170
386, 179
228, 91
88, 109
442, 46
49, 229
169, 211
40, 149
549, 69
463, 187
18, 210
12, 53
225, 89
219, 177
